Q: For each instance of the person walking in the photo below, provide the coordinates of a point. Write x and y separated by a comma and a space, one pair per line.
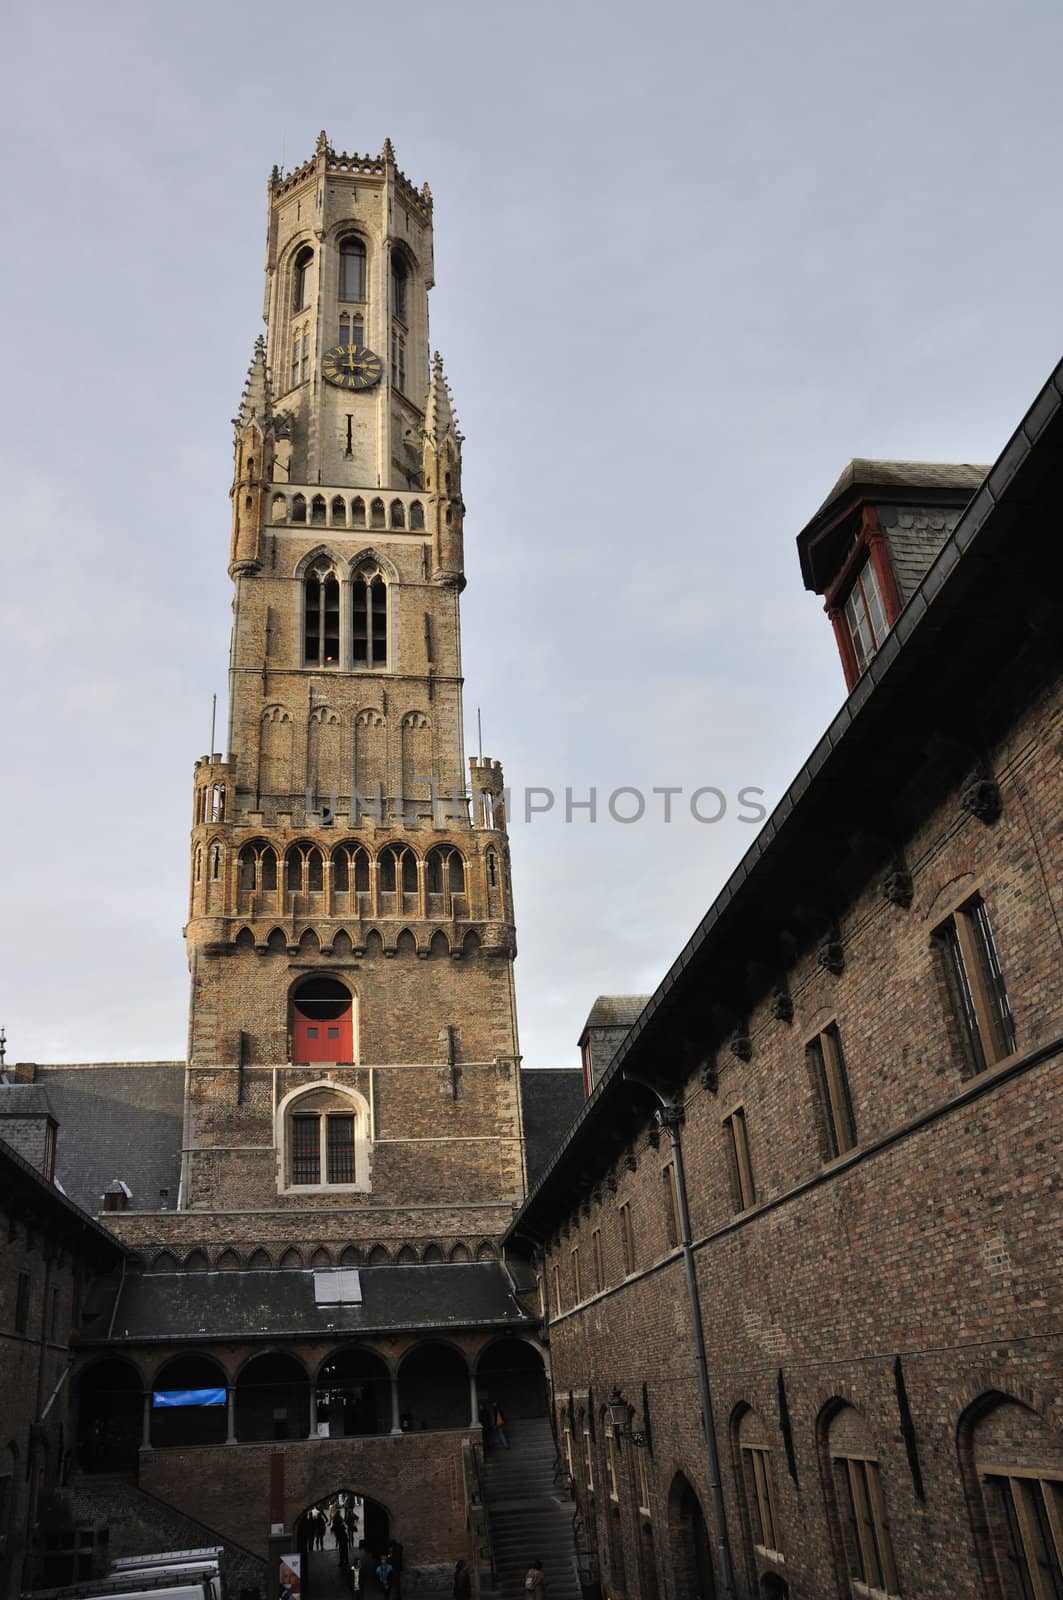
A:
535, 1582
385, 1572
500, 1426
462, 1581
343, 1543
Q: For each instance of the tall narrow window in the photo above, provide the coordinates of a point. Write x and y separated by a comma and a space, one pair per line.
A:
756, 1465
399, 282
610, 1465
301, 271
352, 268
370, 621
339, 1145
865, 615
295, 360
588, 1458
305, 368
743, 1189
976, 985
321, 618
627, 1238
557, 1288
599, 1261
306, 1158
577, 1286
865, 1529
671, 1206
398, 360
828, 1069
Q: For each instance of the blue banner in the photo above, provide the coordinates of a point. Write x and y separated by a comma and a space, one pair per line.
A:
188, 1397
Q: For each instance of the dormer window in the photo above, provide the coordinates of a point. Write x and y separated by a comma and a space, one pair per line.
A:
865, 615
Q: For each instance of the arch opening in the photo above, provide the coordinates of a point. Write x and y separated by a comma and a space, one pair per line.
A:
434, 1389
353, 1395
110, 1416
272, 1399
189, 1403
511, 1373
322, 1021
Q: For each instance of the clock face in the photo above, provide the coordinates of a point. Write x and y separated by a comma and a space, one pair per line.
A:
352, 366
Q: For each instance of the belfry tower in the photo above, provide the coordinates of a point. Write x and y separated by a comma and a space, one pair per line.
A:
353, 1065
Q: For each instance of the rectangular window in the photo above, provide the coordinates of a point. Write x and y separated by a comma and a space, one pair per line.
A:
756, 1465
976, 985
1028, 1517
577, 1289
567, 1446
588, 1460
865, 1531
671, 1206
340, 1148
828, 1068
398, 360
306, 1149
599, 1261
295, 361
745, 1194
865, 615
557, 1290
22, 1302
306, 357
627, 1238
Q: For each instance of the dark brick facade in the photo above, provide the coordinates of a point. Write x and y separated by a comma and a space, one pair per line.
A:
881, 1313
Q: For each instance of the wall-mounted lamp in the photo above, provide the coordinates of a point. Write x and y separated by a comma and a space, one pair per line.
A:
620, 1414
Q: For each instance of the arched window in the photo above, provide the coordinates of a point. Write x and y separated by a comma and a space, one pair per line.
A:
357, 512
377, 516
416, 515
321, 617
339, 511
317, 508
753, 1443
1012, 1462
322, 1021
398, 514
258, 867
304, 871
323, 1138
396, 874
370, 619
301, 271
352, 268
856, 1498
444, 875
350, 869
400, 277
299, 508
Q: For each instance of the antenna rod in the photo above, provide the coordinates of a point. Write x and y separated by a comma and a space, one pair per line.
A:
213, 715
479, 736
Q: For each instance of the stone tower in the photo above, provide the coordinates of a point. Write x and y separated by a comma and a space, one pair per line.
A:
353, 1065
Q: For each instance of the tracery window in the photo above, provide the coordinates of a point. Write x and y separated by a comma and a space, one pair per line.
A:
369, 616
321, 617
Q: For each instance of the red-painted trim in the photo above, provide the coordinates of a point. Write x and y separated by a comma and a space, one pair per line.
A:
879, 555
845, 645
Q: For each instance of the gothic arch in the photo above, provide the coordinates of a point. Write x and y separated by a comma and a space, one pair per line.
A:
165, 1261
407, 1256
320, 552
228, 1261
196, 1261
433, 1255
259, 1261
460, 1252
439, 945
351, 1256
291, 1260
277, 941
338, 1167
321, 1258
373, 559
1002, 1428
379, 1256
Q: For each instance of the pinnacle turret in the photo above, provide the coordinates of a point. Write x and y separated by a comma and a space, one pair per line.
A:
440, 422
256, 402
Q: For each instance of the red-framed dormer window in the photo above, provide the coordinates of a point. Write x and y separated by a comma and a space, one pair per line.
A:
863, 602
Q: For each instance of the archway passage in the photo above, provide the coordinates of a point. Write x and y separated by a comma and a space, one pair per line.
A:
272, 1399
434, 1390
188, 1403
341, 1532
511, 1373
322, 1021
688, 1537
110, 1417
353, 1395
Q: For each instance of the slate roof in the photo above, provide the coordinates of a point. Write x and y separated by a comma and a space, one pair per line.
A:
18, 1178
551, 1098
117, 1120
25, 1100
615, 1011
928, 483
159, 1307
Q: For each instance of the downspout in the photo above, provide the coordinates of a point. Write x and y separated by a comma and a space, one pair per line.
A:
669, 1116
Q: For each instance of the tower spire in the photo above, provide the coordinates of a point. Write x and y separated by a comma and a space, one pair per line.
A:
440, 423
256, 402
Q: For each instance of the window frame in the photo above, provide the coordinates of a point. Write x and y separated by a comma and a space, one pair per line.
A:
743, 1185
627, 1236
1022, 1526
345, 1102
863, 1513
671, 1205
577, 1283
760, 1497
979, 1005
362, 276
599, 1260
826, 1059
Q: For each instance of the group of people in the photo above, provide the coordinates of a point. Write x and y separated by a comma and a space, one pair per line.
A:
342, 1521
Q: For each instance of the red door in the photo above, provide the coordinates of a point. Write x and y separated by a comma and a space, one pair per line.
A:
322, 1022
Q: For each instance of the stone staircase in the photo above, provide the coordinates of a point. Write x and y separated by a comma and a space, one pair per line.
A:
526, 1516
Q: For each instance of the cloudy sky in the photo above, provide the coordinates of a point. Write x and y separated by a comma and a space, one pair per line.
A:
691, 257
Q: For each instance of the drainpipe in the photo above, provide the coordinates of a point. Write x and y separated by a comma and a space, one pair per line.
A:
669, 1116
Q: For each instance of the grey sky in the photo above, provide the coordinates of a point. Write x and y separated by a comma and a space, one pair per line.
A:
690, 258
